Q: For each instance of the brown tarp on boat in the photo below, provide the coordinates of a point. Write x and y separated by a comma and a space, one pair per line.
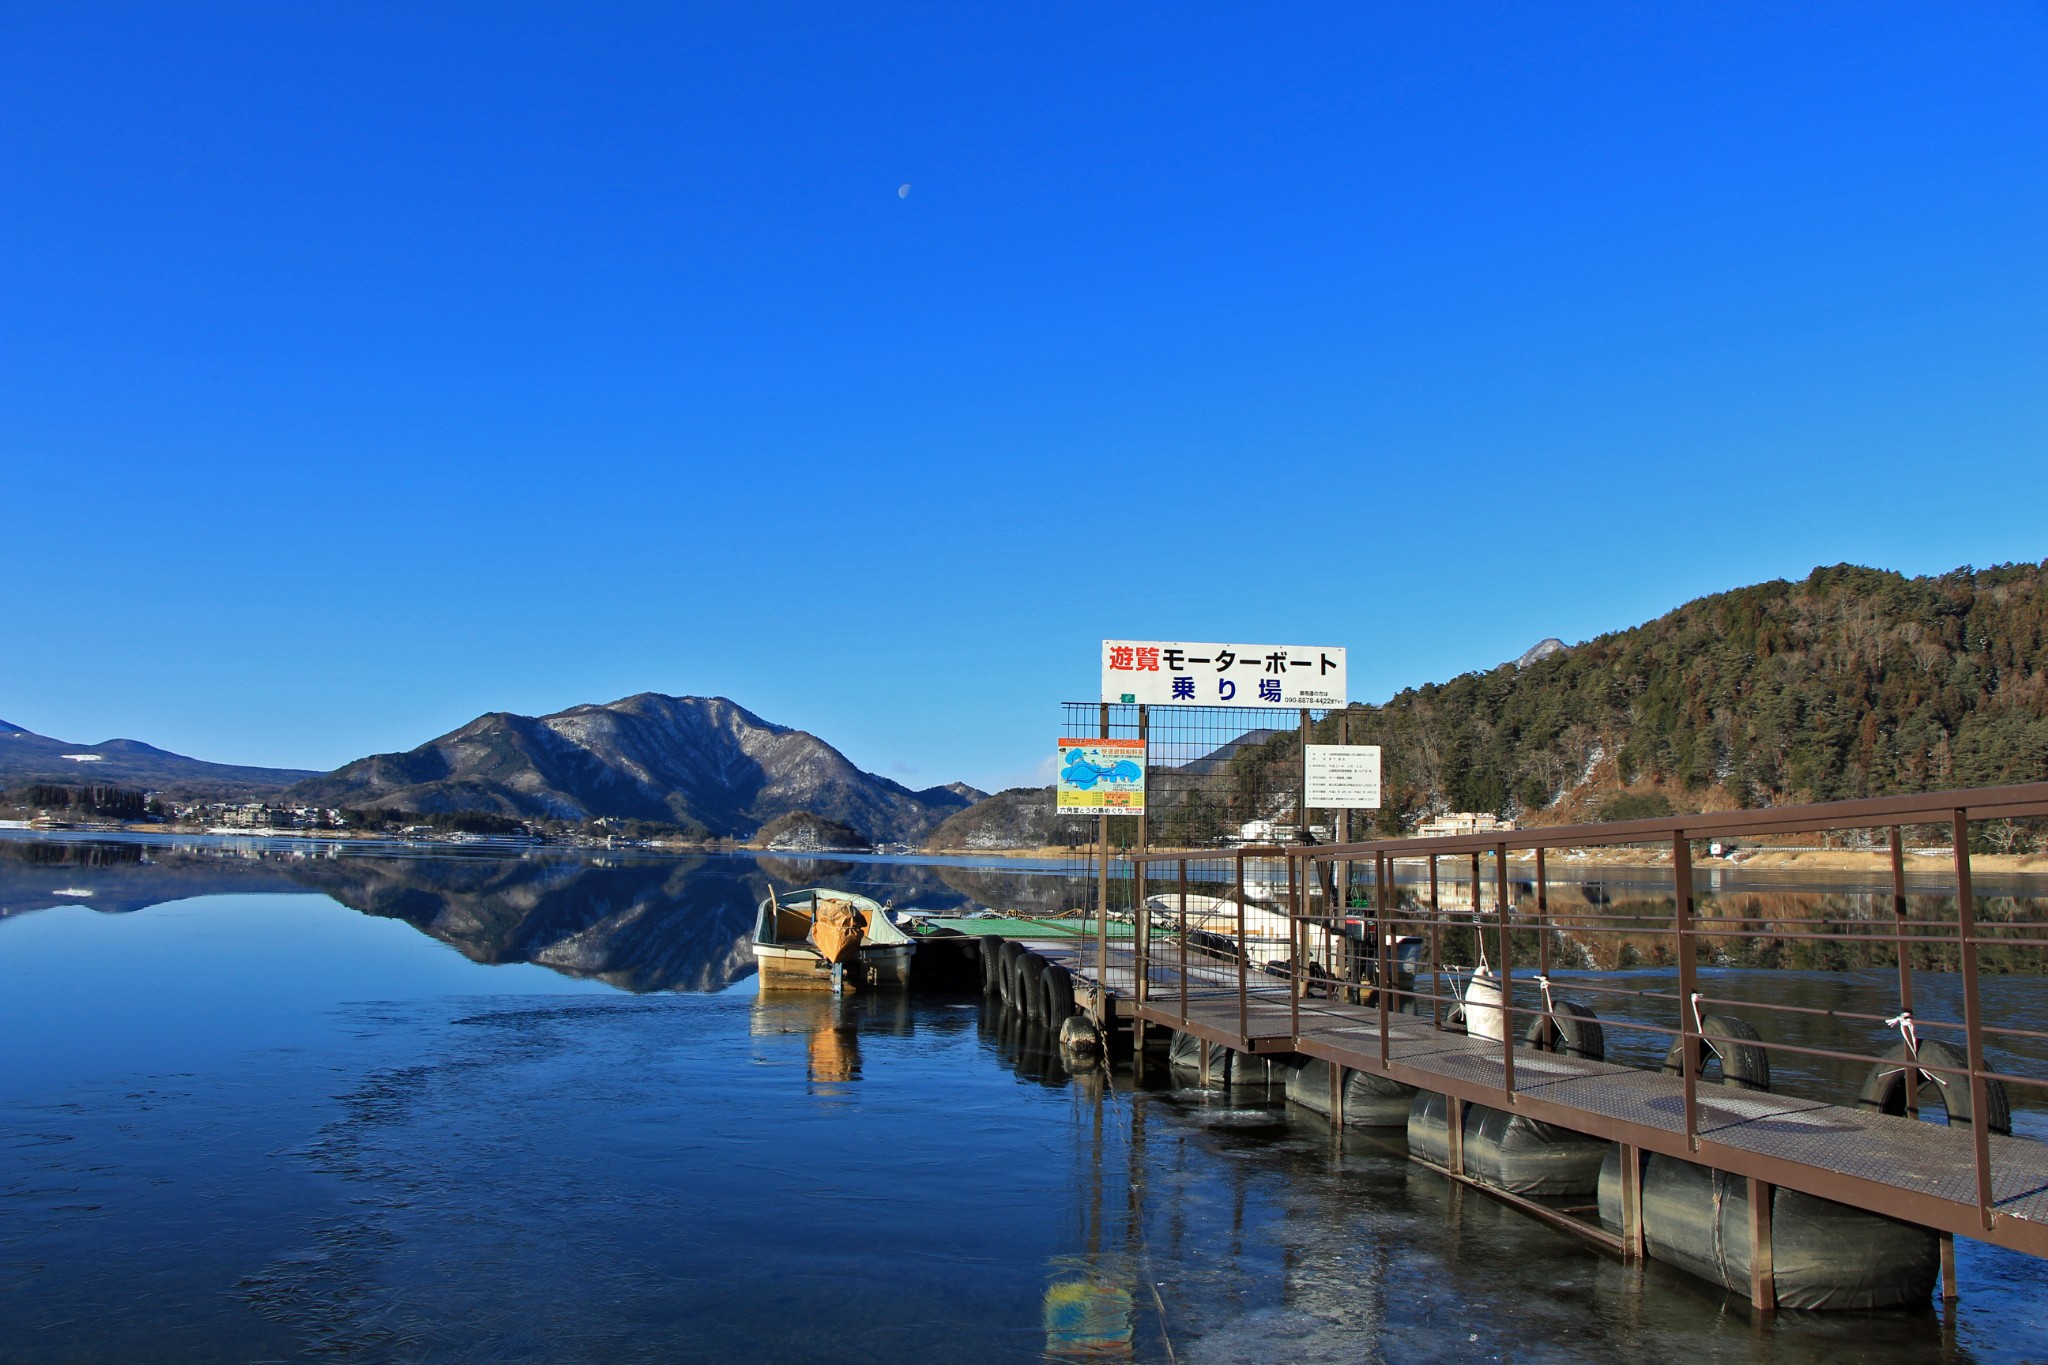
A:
836, 931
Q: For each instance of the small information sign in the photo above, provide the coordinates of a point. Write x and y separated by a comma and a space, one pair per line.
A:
1101, 777
1176, 673
1343, 777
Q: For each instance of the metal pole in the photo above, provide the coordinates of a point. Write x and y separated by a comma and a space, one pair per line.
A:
1141, 914
1343, 873
1905, 958
1382, 866
1763, 1279
1507, 967
1244, 958
1184, 943
1973, 1015
1295, 917
1688, 1031
1632, 1239
1303, 808
1102, 1020
1141, 941
1543, 948
1436, 935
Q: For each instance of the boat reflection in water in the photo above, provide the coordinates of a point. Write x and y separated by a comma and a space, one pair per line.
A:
830, 1027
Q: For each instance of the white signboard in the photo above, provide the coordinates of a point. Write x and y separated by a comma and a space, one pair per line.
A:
1343, 776
1175, 673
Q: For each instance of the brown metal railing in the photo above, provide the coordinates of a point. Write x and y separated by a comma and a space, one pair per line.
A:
1393, 993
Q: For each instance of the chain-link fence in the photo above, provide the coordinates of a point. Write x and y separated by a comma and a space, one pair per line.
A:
1217, 778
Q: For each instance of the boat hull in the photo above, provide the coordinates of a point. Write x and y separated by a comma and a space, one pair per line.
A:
884, 966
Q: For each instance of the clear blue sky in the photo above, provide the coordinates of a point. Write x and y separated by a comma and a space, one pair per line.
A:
366, 367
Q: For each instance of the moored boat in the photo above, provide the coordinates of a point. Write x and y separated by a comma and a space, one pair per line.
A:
800, 937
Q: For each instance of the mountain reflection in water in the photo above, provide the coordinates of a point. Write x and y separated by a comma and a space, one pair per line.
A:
639, 922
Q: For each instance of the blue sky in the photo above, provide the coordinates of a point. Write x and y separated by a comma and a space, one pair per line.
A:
364, 368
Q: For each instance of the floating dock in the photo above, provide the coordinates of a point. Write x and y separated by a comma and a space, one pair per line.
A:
1342, 1000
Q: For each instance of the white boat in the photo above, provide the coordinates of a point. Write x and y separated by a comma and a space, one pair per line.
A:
799, 939
1265, 930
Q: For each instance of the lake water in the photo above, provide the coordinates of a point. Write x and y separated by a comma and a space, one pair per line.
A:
280, 1102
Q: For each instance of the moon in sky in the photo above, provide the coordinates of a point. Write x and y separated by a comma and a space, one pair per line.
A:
903, 191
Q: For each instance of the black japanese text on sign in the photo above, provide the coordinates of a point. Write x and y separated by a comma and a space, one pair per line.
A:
1178, 673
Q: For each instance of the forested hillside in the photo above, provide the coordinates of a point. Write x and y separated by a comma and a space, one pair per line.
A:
1853, 682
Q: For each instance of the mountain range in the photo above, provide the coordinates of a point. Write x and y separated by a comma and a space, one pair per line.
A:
703, 764
27, 757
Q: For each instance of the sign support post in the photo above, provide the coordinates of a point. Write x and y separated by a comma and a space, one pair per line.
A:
1343, 816
1102, 1020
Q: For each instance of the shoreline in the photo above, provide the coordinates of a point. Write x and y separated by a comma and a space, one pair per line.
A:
1874, 862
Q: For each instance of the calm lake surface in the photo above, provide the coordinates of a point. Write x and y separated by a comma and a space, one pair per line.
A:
287, 1102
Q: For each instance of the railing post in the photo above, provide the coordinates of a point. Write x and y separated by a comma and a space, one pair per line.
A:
1141, 943
1507, 967
1543, 948
1102, 1019
1382, 880
1297, 914
1244, 958
1184, 935
1436, 938
1973, 1017
1905, 959
1688, 1029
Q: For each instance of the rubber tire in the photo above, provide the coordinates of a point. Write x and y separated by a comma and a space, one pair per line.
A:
990, 947
1885, 1091
1056, 989
1571, 1029
1030, 967
1743, 1064
1006, 972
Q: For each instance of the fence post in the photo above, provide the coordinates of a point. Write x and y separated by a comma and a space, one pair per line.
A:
1905, 960
1244, 958
1297, 925
1543, 947
1507, 967
1382, 883
1184, 935
1973, 1017
1436, 940
1688, 1030
1102, 1019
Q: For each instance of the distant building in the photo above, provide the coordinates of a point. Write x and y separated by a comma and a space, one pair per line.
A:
1457, 822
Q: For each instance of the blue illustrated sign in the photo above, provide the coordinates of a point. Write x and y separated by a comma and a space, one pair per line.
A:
1101, 777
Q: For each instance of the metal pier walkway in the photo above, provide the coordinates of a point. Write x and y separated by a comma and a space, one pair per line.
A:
1962, 1180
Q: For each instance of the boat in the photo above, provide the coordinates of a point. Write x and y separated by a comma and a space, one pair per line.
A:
820, 939
1267, 933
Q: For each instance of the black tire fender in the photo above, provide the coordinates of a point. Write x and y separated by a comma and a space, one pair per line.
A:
1058, 991
1744, 1064
991, 947
1569, 1028
1885, 1090
1030, 967
1006, 972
